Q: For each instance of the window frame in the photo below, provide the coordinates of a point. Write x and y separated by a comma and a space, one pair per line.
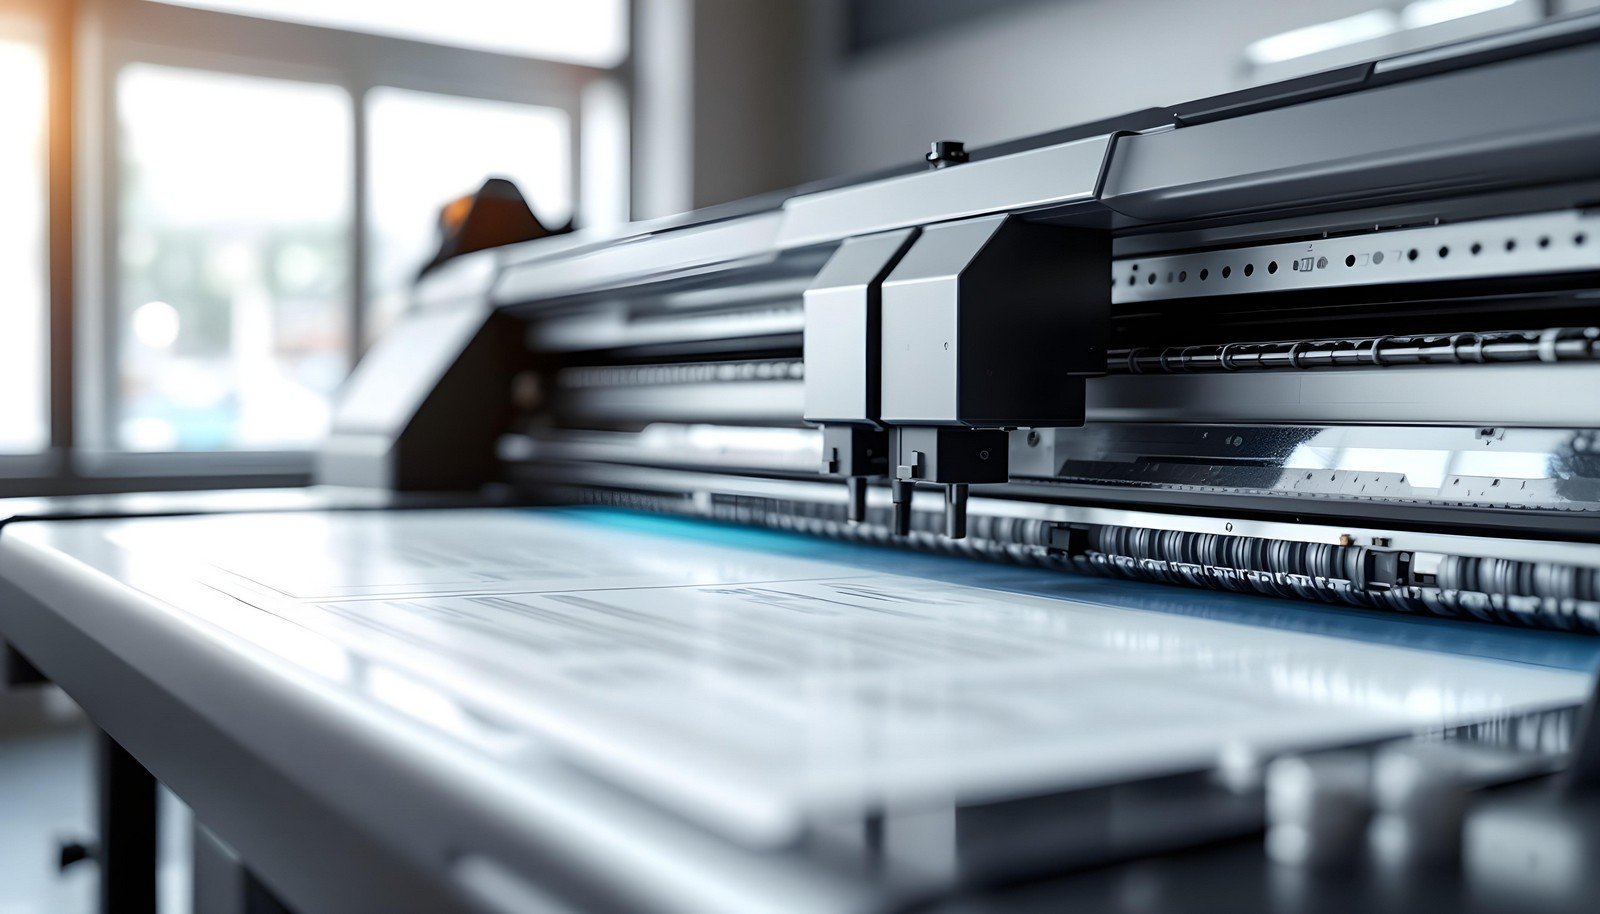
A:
89, 42
42, 23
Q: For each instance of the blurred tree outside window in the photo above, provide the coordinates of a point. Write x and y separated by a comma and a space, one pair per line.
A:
233, 259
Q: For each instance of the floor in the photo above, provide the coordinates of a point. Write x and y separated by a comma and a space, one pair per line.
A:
46, 799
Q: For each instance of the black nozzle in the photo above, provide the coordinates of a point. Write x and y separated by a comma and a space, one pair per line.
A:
955, 510
857, 486
900, 494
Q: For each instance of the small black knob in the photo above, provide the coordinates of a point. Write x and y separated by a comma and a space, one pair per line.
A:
946, 152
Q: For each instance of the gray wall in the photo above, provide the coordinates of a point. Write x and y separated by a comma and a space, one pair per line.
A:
1032, 69
747, 137
767, 96
720, 100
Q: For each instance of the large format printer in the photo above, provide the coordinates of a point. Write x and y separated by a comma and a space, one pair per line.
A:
1318, 358
1351, 314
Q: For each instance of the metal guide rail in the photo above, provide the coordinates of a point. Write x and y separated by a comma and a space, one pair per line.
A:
1530, 583
1539, 244
1554, 344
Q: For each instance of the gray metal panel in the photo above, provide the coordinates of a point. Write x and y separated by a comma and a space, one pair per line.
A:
464, 278
1064, 173
841, 338
1516, 122
921, 332
422, 410
400, 371
988, 322
1468, 467
1544, 244
1520, 395
639, 260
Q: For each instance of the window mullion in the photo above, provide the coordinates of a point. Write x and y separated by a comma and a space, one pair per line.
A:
61, 165
359, 240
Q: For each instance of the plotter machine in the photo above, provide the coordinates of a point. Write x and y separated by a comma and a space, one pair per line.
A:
1330, 340
1193, 510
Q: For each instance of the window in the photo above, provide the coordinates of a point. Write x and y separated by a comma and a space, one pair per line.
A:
592, 32
425, 149
213, 206
233, 259
24, 304
266, 187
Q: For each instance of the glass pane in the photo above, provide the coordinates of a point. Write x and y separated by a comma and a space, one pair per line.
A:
234, 252
592, 32
425, 150
23, 303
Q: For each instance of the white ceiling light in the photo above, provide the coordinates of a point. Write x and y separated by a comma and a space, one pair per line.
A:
1324, 36
1432, 12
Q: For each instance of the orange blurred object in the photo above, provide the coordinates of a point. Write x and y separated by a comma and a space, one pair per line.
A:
496, 214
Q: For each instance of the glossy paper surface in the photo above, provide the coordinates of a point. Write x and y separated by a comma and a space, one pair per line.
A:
759, 683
